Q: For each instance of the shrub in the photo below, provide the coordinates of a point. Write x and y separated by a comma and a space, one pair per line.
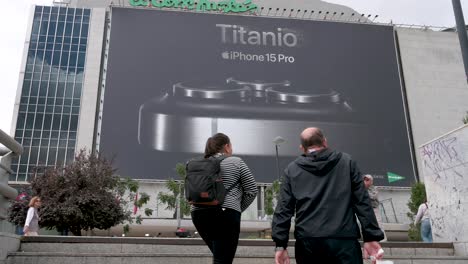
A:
418, 196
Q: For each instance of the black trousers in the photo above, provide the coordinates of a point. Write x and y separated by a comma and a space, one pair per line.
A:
220, 229
328, 251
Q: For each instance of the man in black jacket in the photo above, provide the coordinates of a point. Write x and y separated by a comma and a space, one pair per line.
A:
324, 190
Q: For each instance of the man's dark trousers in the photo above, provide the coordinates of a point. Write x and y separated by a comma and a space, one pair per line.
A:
328, 251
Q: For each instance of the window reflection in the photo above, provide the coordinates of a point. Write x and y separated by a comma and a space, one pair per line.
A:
51, 91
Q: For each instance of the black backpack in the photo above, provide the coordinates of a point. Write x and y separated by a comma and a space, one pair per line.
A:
203, 183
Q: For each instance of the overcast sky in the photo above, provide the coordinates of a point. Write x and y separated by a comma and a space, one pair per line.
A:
14, 18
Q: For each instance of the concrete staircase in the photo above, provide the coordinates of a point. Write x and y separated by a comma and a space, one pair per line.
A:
106, 250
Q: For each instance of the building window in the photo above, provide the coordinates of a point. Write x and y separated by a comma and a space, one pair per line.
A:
51, 92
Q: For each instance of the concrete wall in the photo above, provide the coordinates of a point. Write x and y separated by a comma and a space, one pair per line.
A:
436, 87
163, 221
394, 202
8, 243
396, 197
91, 81
154, 188
6, 227
445, 167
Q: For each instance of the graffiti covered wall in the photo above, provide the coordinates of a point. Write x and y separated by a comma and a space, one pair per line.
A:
445, 171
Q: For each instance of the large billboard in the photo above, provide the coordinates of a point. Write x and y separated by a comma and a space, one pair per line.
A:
176, 78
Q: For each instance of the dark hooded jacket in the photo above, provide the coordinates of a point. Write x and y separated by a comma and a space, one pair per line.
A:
324, 190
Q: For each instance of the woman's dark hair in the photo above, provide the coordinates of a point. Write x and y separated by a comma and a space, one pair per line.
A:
215, 144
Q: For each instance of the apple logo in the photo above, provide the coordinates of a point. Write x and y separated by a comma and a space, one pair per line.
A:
225, 55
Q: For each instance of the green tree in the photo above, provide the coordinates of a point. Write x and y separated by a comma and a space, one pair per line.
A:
176, 188
418, 196
271, 192
126, 192
19, 208
18, 211
84, 195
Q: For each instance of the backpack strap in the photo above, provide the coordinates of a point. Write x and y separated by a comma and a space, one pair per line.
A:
221, 158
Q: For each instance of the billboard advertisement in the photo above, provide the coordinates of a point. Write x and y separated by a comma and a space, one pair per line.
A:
176, 78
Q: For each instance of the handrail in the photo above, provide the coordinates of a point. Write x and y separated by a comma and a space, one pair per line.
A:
10, 143
11, 148
382, 208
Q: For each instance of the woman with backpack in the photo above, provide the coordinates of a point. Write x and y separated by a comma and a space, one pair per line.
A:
219, 225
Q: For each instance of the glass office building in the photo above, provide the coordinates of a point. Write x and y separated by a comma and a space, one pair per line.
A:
49, 106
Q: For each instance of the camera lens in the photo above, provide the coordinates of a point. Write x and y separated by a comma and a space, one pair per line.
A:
258, 86
210, 91
301, 96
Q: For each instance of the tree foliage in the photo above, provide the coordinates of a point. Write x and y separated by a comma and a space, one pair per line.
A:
19, 208
85, 194
176, 188
79, 196
271, 193
126, 192
418, 196
18, 211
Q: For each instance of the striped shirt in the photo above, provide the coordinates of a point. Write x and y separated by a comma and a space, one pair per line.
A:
235, 171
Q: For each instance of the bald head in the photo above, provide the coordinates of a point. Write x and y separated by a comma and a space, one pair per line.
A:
312, 137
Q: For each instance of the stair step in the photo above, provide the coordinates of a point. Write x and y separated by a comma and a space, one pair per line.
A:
183, 258
124, 250
246, 247
174, 249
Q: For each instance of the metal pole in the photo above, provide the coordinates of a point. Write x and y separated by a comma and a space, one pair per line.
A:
262, 203
393, 208
277, 162
278, 140
179, 220
461, 29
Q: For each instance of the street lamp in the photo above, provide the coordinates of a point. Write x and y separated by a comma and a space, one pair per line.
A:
461, 28
278, 141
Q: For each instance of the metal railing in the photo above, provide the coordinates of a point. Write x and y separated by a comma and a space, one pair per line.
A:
294, 13
387, 211
8, 148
